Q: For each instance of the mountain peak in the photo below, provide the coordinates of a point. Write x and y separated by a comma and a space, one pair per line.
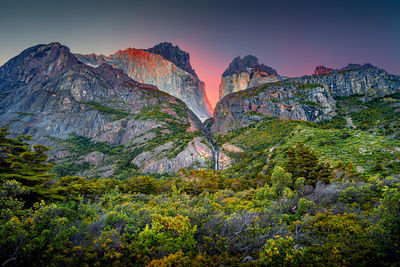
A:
44, 59
248, 64
321, 70
173, 54
352, 66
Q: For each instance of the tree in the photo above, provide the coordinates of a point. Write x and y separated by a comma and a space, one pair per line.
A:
388, 227
26, 164
195, 182
141, 184
281, 179
304, 162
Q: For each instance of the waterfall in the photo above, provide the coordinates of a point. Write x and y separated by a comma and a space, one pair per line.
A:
216, 155
215, 149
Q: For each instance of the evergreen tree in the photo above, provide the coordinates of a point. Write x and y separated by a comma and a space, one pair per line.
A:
304, 162
26, 164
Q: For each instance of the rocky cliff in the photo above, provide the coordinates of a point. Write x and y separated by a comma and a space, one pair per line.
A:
284, 100
165, 66
353, 79
310, 98
99, 121
246, 73
321, 70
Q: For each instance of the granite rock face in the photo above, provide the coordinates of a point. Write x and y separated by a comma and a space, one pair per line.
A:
284, 100
197, 152
355, 79
231, 148
246, 73
309, 98
48, 93
321, 70
164, 66
175, 55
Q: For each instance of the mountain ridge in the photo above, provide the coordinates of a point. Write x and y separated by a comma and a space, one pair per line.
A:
156, 66
310, 97
65, 101
246, 72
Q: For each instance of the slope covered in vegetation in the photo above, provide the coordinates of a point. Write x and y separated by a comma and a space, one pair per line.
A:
364, 134
302, 212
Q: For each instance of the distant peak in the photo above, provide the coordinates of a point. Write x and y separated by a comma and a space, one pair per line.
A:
37, 49
55, 44
173, 54
321, 70
39, 61
248, 64
352, 66
166, 45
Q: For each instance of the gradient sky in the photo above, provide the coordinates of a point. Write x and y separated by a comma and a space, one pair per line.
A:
291, 36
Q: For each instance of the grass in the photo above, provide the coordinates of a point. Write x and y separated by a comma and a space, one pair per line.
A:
116, 114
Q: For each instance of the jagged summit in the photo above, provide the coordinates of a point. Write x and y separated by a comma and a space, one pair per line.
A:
37, 62
174, 54
248, 64
164, 66
322, 70
352, 66
245, 73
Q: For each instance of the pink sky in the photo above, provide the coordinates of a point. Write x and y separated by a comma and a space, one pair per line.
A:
211, 76
209, 71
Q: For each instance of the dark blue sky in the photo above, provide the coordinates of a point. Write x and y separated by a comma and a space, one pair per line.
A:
290, 36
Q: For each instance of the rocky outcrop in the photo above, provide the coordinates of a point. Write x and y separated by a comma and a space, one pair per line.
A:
224, 161
246, 73
232, 148
164, 66
284, 100
309, 98
95, 158
174, 54
355, 79
322, 70
196, 153
47, 93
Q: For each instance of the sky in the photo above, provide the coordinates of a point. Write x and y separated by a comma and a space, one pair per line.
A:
293, 37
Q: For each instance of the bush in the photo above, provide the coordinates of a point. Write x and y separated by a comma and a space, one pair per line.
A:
281, 251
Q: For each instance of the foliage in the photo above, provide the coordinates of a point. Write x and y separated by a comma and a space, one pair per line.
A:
388, 226
279, 204
303, 162
280, 179
195, 182
281, 252
26, 164
343, 240
116, 114
141, 184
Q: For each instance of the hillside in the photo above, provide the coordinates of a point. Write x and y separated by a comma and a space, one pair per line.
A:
297, 172
101, 122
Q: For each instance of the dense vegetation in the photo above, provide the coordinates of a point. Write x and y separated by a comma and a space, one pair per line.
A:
302, 194
173, 128
364, 134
